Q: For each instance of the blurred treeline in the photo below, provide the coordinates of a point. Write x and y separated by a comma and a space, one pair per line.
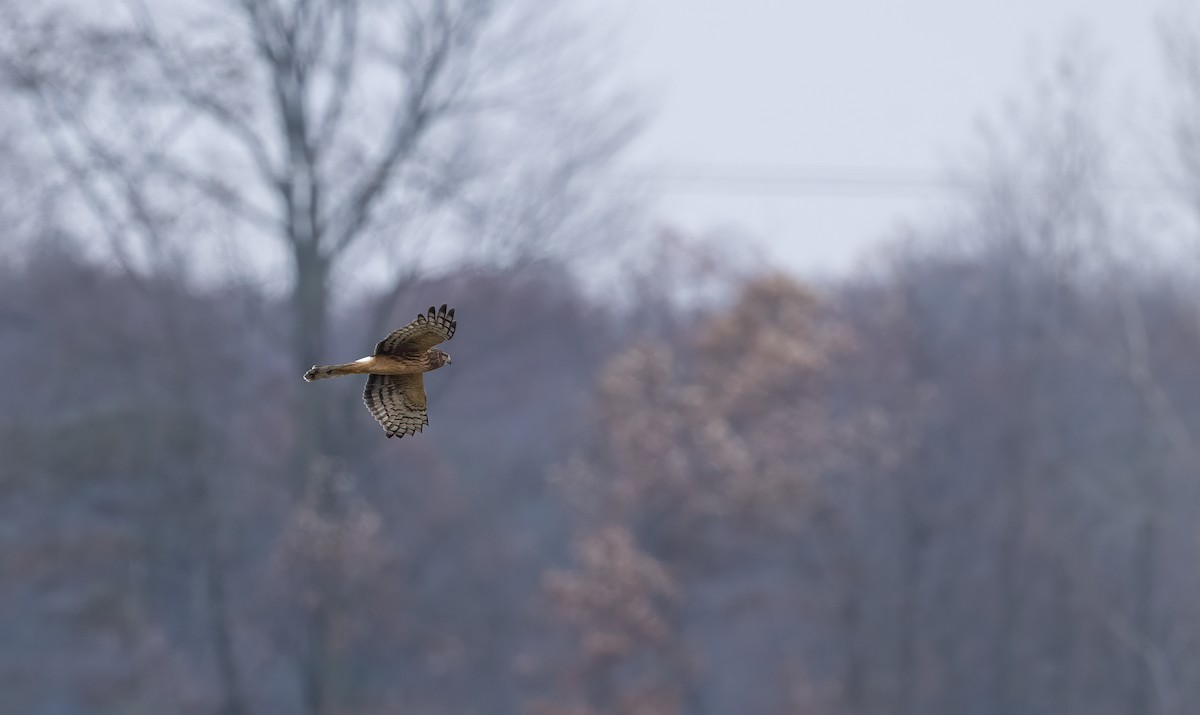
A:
962, 479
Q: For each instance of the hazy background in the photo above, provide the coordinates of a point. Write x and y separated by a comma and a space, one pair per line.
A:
830, 361
817, 129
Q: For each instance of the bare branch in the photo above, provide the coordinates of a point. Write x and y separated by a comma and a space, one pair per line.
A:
418, 111
267, 29
80, 176
179, 75
220, 192
1141, 376
343, 70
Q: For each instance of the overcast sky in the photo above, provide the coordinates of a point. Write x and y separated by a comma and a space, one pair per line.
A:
748, 93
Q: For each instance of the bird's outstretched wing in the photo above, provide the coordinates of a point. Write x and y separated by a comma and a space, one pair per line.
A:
397, 402
427, 330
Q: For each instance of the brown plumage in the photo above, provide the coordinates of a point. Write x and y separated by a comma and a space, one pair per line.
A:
395, 392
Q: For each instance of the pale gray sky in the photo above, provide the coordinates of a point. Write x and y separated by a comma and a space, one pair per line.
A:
739, 88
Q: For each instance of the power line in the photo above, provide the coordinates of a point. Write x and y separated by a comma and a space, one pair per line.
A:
797, 179
834, 181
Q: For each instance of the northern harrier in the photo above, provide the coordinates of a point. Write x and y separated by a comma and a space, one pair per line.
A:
395, 392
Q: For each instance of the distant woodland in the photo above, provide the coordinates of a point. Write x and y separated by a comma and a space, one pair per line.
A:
963, 478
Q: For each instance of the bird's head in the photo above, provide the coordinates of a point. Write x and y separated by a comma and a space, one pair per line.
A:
437, 358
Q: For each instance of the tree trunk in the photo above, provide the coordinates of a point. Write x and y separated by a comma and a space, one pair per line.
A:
1145, 548
310, 313
223, 648
914, 540
315, 669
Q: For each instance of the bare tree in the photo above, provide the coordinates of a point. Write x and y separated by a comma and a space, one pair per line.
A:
355, 142
328, 127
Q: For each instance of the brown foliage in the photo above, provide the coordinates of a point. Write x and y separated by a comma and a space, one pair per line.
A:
705, 450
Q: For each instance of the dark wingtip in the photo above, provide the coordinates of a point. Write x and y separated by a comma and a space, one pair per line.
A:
450, 315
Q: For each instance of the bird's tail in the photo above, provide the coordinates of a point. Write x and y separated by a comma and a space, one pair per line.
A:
320, 372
